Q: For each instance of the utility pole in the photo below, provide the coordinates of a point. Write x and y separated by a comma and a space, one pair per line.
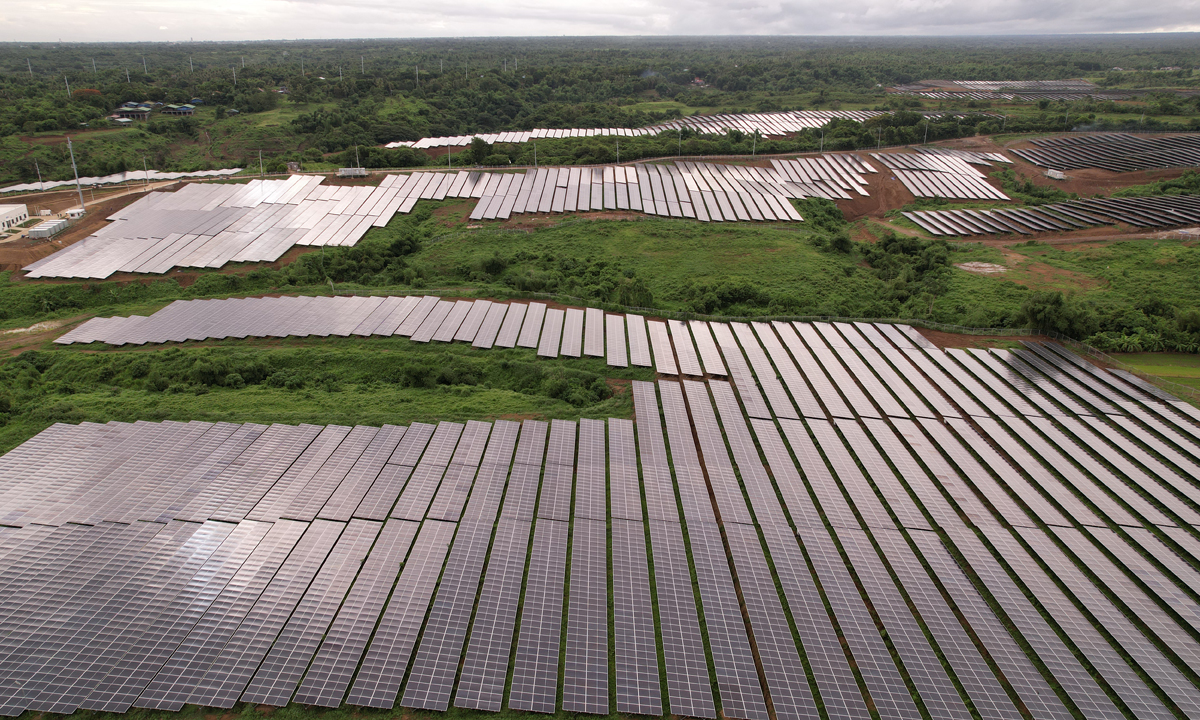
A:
356, 162
41, 185
30, 66
301, 66
243, 62
926, 140
190, 65
235, 75
417, 74
506, 65
68, 82
441, 66
145, 173
618, 152
145, 68
822, 140
340, 73
1002, 124
362, 64
535, 154
75, 170
754, 143
126, 76
260, 165
93, 66
679, 148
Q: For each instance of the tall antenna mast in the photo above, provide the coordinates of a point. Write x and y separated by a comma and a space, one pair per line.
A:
76, 171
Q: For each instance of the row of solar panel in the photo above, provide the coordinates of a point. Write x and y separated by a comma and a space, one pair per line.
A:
1156, 211
1119, 152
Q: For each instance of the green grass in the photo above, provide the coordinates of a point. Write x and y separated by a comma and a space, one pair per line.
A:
321, 381
1175, 367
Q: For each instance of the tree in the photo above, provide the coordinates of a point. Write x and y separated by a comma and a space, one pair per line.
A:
480, 150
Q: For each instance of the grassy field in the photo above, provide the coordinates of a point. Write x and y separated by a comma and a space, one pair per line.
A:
1176, 367
320, 381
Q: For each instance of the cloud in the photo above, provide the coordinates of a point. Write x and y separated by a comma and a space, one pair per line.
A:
129, 20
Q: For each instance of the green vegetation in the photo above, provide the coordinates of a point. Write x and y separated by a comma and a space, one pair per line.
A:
314, 102
1186, 184
373, 381
1176, 367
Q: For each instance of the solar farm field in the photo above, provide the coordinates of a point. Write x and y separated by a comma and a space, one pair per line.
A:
799, 519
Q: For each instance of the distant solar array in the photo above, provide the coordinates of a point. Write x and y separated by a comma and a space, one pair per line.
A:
770, 124
701, 191
1143, 212
130, 176
1118, 152
817, 531
210, 225
938, 175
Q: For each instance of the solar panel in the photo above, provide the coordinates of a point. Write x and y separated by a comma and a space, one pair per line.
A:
511, 328
191, 644
531, 330
722, 480
637, 669
593, 340
887, 688
988, 487
808, 368
660, 342
1152, 661
687, 672
383, 667
572, 333
75, 683
233, 669
485, 665
283, 666
333, 667
432, 678
787, 682
681, 339
615, 336
552, 331
1119, 676
639, 342
377, 503
131, 674
535, 671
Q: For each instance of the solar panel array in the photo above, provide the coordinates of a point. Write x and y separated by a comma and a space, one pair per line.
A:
854, 519
770, 124
1118, 152
1144, 212
121, 177
938, 175
206, 226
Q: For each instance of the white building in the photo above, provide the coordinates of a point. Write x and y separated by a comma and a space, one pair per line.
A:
12, 215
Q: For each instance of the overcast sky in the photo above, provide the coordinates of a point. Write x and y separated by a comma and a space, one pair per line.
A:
166, 20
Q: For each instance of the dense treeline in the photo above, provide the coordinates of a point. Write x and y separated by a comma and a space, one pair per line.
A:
341, 94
